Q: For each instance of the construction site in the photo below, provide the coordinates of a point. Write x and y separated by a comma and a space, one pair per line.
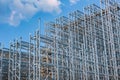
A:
82, 46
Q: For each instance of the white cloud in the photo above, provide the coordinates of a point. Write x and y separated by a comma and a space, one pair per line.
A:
14, 11
73, 1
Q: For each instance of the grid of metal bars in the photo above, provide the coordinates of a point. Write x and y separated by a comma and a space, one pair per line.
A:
82, 46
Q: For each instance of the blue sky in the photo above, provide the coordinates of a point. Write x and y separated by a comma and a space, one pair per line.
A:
20, 17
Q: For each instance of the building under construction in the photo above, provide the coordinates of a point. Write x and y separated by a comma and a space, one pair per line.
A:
83, 46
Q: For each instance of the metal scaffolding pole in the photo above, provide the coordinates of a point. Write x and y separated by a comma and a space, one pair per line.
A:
1, 58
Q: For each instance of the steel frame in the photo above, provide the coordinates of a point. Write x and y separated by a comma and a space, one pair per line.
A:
82, 46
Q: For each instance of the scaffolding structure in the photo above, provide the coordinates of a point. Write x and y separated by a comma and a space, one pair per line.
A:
4, 61
83, 46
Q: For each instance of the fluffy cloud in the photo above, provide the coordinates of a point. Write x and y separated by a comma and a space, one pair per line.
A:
14, 11
73, 1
